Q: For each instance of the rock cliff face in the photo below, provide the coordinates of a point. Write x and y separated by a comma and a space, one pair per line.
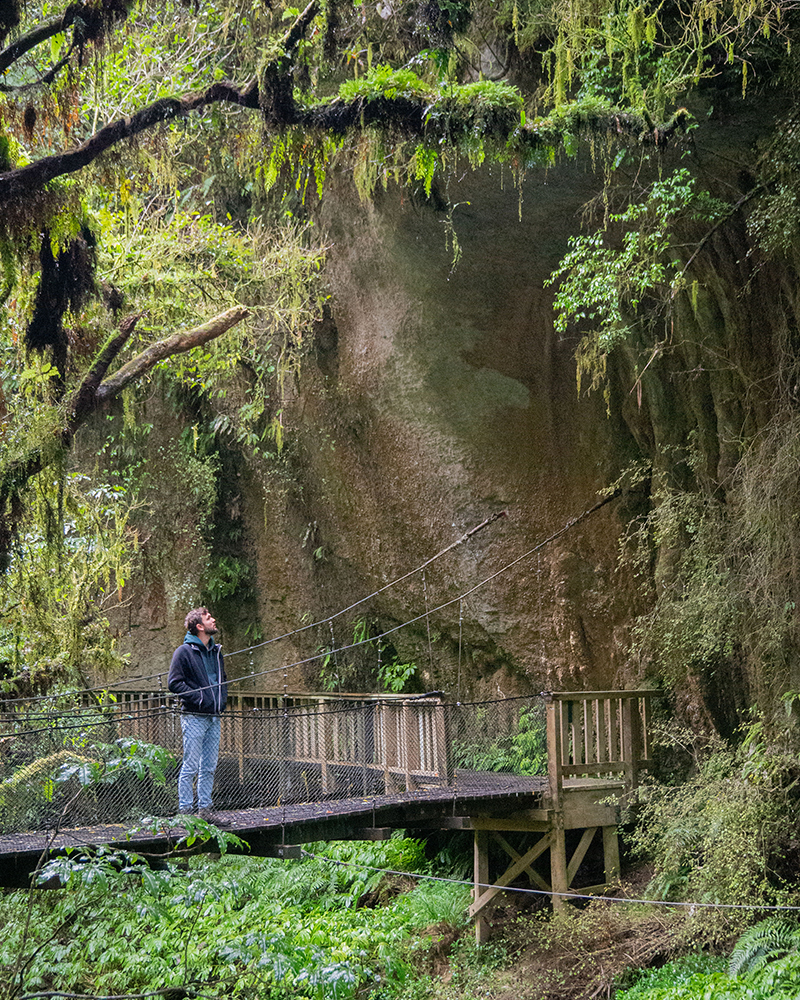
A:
436, 395
446, 398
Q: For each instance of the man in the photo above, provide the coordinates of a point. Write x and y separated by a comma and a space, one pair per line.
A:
197, 676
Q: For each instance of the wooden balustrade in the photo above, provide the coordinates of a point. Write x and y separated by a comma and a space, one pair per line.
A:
395, 740
591, 734
405, 739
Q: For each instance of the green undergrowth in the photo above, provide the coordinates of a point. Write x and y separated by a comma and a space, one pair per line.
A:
355, 920
333, 924
723, 835
699, 977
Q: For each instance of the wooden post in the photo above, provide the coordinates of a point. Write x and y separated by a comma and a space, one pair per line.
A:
647, 722
559, 880
442, 756
611, 854
240, 741
575, 718
615, 749
631, 740
481, 879
554, 751
602, 733
406, 738
556, 736
327, 747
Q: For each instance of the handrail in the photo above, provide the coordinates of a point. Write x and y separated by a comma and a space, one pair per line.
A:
240, 692
313, 746
406, 735
596, 733
582, 695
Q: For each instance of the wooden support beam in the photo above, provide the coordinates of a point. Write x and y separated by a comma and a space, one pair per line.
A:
559, 879
580, 853
445, 823
483, 895
286, 852
532, 874
369, 833
481, 878
512, 823
611, 854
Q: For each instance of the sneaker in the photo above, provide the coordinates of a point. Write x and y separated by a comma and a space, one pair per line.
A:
213, 817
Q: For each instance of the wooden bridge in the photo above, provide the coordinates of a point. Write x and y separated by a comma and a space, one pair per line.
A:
295, 769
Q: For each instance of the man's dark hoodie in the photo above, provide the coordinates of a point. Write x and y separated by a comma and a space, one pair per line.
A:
197, 676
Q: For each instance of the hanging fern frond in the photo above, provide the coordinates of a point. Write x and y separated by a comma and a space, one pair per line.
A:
766, 941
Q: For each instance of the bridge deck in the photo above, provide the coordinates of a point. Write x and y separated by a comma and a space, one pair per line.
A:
264, 829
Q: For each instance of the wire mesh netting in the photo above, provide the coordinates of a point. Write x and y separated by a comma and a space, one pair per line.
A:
79, 765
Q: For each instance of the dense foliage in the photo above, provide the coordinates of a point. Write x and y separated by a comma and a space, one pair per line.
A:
723, 834
160, 163
330, 926
696, 977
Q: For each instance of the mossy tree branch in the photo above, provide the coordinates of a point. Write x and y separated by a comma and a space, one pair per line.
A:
27, 181
41, 33
408, 116
271, 92
178, 343
94, 391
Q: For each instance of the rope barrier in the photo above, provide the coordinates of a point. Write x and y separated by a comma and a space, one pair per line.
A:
293, 754
425, 614
116, 712
303, 628
563, 895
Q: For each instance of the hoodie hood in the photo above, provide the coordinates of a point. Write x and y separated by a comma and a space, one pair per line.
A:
195, 640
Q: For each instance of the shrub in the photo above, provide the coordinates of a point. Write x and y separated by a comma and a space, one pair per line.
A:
722, 836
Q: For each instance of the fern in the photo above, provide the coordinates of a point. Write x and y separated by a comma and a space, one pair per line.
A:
435, 903
766, 941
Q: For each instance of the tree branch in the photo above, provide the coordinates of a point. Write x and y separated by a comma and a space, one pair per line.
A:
85, 398
176, 344
37, 35
432, 118
27, 181
407, 115
90, 394
45, 78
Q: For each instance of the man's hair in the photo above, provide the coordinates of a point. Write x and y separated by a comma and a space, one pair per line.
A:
193, 619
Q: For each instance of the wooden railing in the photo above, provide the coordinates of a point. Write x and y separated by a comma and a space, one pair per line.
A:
597, 733
405, 738
590, 734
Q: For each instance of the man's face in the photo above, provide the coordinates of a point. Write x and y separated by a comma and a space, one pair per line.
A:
208, 623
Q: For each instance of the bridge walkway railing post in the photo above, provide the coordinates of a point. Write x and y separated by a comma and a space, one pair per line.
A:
594, 739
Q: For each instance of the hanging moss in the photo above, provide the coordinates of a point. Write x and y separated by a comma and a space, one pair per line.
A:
9, 17
65, 283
